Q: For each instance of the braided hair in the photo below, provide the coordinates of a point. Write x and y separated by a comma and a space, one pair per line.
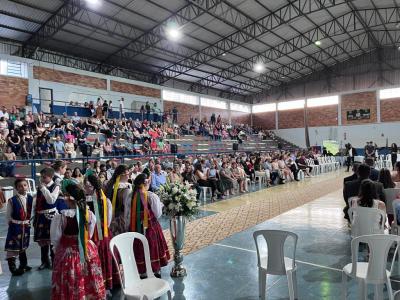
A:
96, 183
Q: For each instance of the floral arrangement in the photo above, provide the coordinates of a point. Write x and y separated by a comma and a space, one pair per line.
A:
178, 199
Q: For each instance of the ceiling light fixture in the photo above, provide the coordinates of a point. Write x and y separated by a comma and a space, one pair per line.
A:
173, 32
93, 2
318, 43
259, 67
223, 54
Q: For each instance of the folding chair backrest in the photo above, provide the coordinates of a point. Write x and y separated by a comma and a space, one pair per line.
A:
275, 240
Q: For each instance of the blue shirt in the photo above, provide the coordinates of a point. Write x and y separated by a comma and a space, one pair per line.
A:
59, 147
157, 180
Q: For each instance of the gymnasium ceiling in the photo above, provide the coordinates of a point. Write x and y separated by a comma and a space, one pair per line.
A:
222, 41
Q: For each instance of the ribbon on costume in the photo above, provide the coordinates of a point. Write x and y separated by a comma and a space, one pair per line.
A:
115, 191
83, 235
139, 199
105, 213
98, 216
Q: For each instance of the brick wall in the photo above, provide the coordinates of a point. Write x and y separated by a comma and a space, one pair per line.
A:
362, 100
69, 78
206, 113
238, 117
184, 110
322, 116
390, 110
265, 120
293, 118
129, 88
13, 91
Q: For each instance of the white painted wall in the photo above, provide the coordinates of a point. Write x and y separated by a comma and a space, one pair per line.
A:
356, 135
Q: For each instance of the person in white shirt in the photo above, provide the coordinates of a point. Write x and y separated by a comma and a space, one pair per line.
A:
75, 118
121, 108
45, 210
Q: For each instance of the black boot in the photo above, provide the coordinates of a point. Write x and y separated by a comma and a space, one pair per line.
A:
23, 262
44, 255
13, 268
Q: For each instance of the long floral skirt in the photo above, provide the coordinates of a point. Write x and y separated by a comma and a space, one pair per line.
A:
72, 279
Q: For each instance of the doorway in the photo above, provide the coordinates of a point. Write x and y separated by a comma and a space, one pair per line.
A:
46, 100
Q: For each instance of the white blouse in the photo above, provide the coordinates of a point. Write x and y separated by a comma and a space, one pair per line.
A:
59, 222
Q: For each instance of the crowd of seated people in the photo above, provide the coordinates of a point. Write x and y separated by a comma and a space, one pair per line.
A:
366, 186
41, 136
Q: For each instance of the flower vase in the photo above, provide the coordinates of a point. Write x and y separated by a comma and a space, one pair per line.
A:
177, 229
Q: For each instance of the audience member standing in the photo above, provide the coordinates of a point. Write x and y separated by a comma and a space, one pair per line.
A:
393, 153
121, 108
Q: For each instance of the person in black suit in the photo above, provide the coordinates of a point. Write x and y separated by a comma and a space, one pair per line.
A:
354, 176
374, 176
352, 188
350, 152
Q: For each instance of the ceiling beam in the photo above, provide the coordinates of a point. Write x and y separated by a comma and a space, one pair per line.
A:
255, 29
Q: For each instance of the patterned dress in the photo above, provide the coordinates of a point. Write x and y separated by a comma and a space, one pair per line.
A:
110, 272
18, 234
72, 279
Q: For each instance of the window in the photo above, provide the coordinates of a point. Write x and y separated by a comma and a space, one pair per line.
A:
180, 97
291, 104
240, 107
260, 108
389, 93
213, 103
13, 68
322, 101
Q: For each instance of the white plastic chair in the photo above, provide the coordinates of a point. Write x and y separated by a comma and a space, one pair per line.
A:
204, 191
132, 286
366, 221
374, 271
32, 187
273, 261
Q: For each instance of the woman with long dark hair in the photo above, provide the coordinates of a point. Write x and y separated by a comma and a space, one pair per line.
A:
119, 190
141, 214
102, 208
76, 268
393, 153
368, 196
385, 177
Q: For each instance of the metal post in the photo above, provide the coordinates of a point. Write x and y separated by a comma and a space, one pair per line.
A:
33, 170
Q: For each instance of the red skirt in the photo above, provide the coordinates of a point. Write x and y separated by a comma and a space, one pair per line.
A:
108, 266
159, 253
73, 280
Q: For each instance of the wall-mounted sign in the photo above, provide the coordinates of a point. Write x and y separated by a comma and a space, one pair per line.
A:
358, 114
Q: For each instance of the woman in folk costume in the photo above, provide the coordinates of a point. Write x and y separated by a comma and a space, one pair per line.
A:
101, 207
141, 213
19, 209
77, 270
119, 190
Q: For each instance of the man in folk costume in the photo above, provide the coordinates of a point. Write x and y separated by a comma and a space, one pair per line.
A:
19, 209
77, 272
45, 210
141, 213
102, 208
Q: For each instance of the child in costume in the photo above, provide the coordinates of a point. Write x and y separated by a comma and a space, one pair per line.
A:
77, 272
59, 168
141, 214
45, 210
102, 208
120, 191
19, 209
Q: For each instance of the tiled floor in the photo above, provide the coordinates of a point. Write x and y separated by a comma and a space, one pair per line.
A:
225, 268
